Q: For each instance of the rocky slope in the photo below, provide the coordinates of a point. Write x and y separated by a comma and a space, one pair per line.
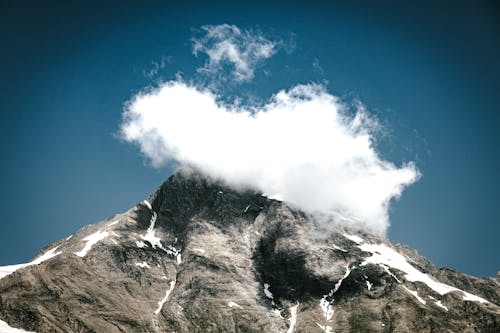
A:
198, 256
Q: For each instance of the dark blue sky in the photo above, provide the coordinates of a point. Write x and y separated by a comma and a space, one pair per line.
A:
430, 72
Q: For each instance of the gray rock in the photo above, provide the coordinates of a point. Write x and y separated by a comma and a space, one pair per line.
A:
200, 256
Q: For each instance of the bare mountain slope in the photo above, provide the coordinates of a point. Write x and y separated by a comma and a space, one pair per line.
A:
198, 256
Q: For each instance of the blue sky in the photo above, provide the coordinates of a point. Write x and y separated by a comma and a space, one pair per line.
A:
429, 72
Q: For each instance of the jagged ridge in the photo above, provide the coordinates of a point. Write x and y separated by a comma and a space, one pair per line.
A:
199, 256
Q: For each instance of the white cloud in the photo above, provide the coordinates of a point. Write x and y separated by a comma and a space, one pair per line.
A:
301, 145
226, 44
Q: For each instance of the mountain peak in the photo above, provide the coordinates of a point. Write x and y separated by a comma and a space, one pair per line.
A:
202, 256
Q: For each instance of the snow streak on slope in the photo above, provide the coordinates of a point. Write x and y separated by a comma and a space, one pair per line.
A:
150, 233
327, 309
415, 294
327, 314
438, 303
339, 282
91, 240
276, 311
147, 204
384, 256
165, 299
6, 270
155, 241
142, 264
268, 293
369, 285
5, 328
140, 244
354, 238
233, 305
326, 306
293, 318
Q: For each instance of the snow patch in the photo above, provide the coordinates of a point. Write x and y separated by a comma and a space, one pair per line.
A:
385, 257
277, 313
472, 297
270, 296
147, 204
354, 238
155, 242
7, 270
165, 299
142, 264
91, 240
326, 306
327, 309
69, 237
233, 305
202, 251
150, 233
293, 318
369, 285
46, 256
5, 328
438, 303
140, 244
267, 292
152, 239
246, 209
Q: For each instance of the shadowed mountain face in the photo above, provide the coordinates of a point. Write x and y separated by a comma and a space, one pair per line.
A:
198, 256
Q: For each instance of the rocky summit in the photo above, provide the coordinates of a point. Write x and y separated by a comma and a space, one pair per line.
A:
200, 256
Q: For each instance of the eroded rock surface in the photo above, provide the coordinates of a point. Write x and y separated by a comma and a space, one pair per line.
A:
198, 256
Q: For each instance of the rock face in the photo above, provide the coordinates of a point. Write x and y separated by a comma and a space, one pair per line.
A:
198, 256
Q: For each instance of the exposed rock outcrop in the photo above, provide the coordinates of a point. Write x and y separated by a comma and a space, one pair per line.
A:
199, 256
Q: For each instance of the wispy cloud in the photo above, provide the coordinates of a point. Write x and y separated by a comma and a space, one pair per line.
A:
317, 67
301, 145
227, 45
157, 66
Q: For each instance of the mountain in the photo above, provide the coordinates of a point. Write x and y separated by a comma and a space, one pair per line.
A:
199, 256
